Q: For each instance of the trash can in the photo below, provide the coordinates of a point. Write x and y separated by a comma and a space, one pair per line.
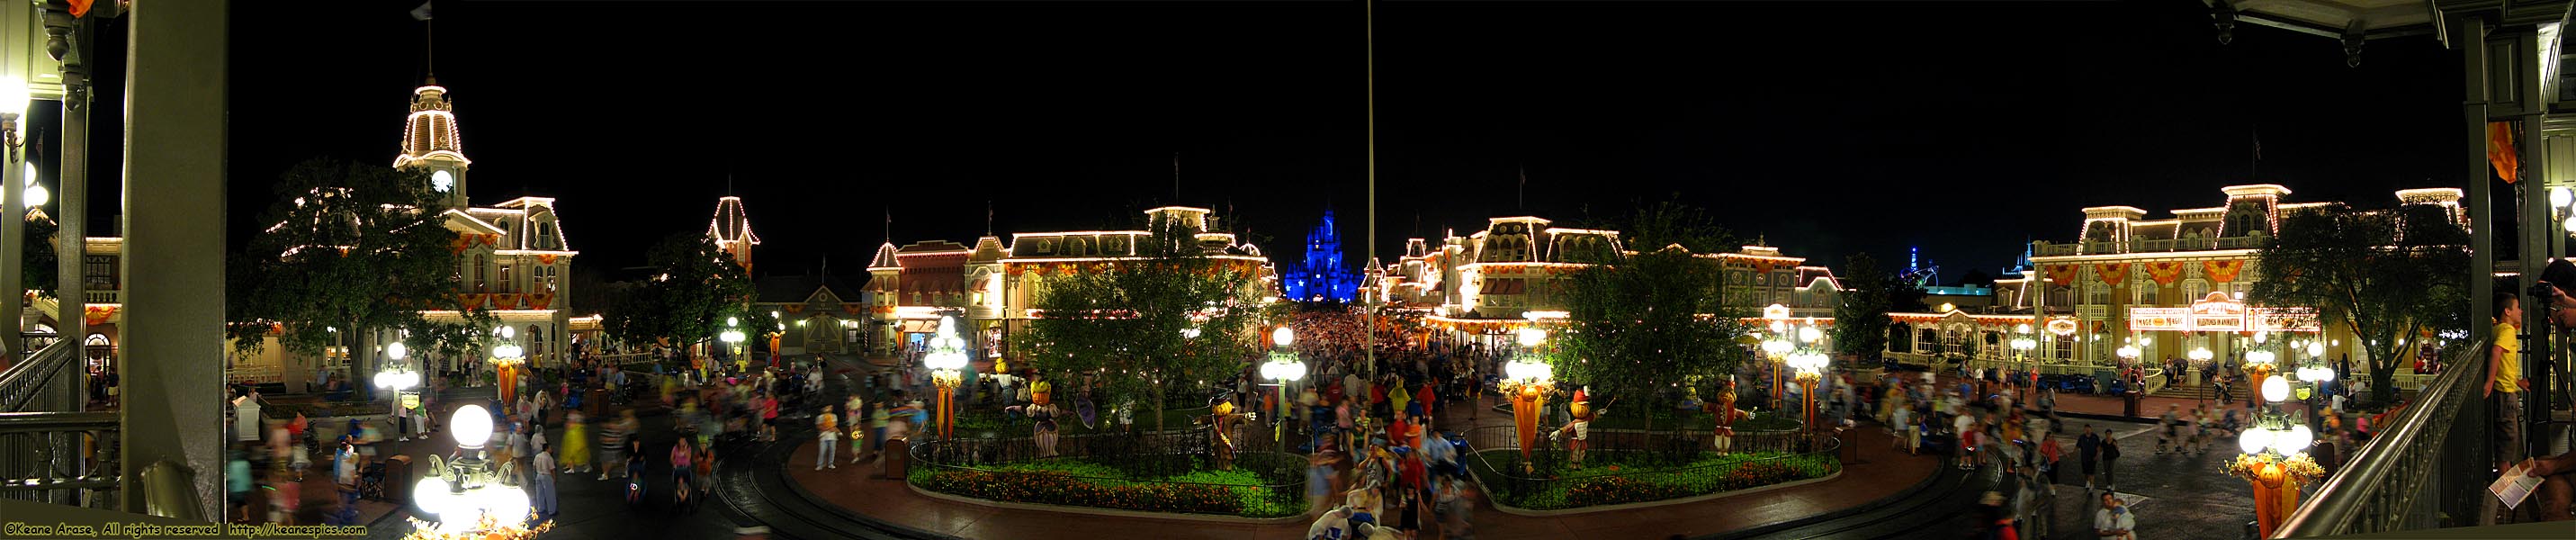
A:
595, 404
898, 456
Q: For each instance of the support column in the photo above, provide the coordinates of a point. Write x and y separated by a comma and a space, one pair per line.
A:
2470, 38
13, 238
72, 188
174, 193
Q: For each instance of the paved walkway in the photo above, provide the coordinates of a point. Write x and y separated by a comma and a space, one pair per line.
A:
1875, 472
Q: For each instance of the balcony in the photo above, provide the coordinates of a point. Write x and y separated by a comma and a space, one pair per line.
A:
104, 297
2049, 249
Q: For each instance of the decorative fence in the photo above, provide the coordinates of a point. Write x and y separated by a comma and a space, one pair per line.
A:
1131, 471
50, 451
1635, 466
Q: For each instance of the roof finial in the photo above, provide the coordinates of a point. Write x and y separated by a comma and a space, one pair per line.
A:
889, 230
988, 217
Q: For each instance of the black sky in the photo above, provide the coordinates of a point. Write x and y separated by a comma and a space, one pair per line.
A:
1829, 128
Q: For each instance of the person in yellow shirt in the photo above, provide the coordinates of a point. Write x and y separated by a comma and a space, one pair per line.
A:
2504, 360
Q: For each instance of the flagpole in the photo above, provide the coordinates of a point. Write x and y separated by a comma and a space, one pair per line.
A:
1369, 313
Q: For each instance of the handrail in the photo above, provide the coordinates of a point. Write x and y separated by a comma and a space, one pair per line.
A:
25, 382
169, 490
2379, 488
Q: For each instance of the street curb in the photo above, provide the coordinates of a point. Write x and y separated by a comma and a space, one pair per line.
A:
798, 489
1919, 487
1204, 518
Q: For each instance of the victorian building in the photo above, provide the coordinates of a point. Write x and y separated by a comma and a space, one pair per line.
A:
992, 287
514, 258
1320, 276
1512, 272
2170, 285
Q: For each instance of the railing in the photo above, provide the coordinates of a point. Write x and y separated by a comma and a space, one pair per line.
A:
48, 381
2052, 249
104, 297
1548, 482
65, 458
1008, 470
2416, 469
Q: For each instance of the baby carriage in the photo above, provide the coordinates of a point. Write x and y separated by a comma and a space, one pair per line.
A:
371, 481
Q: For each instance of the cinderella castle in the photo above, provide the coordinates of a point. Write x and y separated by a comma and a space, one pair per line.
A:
1321, 275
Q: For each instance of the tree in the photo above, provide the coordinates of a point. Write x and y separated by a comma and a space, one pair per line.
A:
1654, 317
1860, 320
2385, 274
37, 262
695, 287
352, 248
1120, 324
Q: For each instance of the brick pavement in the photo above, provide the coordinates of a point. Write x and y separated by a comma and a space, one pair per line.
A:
1875, 472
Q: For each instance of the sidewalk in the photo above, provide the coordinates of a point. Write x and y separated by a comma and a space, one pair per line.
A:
1876, 472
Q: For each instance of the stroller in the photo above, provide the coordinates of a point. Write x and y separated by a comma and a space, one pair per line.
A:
371, 481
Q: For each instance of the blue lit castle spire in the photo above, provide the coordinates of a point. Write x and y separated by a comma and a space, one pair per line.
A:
1321, 275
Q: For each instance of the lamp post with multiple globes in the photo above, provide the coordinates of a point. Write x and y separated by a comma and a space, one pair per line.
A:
471, 496
1284, 367
506, 358
2275, 461
1527, 379
399, 377
947, 363
732, 338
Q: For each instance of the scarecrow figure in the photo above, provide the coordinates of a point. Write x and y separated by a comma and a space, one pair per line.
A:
1581, 427
1042, 412
1225, 422
1726, 414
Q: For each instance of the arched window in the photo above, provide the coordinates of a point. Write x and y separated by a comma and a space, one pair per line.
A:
96, 340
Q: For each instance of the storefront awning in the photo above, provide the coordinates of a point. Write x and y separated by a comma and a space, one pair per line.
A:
920, 327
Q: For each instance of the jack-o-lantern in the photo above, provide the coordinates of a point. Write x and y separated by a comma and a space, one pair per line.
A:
1581, 407
2271, 474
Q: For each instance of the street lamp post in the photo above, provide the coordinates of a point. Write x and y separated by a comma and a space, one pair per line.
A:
473, 497
947, 363
398, 377
1778, 348
506, 356
2022, 344
1284, 367
1527, 379
2275, 461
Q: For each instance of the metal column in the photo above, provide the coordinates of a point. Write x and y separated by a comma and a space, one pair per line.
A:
174, 200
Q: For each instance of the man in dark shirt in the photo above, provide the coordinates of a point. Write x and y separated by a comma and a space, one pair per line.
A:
2110, 462
2088, 447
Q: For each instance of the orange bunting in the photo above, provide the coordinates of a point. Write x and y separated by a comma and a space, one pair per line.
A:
2062, 274
2500, 153
2112, 274
541, 300
2164, 272
546, 259
2222, 271
98, 315
796, 308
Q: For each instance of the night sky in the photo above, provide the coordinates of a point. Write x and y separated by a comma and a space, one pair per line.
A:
1828, 128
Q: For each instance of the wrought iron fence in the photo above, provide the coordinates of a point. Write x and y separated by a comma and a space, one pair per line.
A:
65, 458
1145, 466
2416, 469
47, 381
1636, 466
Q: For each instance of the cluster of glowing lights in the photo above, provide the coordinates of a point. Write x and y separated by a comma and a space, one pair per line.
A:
1284, 367
507, 350
2285, 442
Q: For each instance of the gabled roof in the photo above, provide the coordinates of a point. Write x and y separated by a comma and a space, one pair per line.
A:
884, 257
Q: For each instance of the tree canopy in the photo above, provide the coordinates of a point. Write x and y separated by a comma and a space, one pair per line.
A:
694, 288
351, 247
36, 259
1860, 320
1121, 328
1653, 319
2386, 274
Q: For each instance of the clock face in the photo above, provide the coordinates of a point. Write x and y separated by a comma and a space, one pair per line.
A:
442, 180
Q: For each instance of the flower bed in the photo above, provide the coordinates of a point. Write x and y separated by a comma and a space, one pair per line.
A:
1633, 477
1076, 482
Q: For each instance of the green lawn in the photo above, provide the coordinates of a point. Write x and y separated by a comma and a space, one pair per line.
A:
1628, 477
1082, 482
976, 422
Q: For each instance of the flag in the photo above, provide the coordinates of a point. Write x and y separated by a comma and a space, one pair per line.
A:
2500, 151
420, 13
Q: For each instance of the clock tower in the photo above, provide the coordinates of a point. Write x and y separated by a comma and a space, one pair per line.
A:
430, 142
